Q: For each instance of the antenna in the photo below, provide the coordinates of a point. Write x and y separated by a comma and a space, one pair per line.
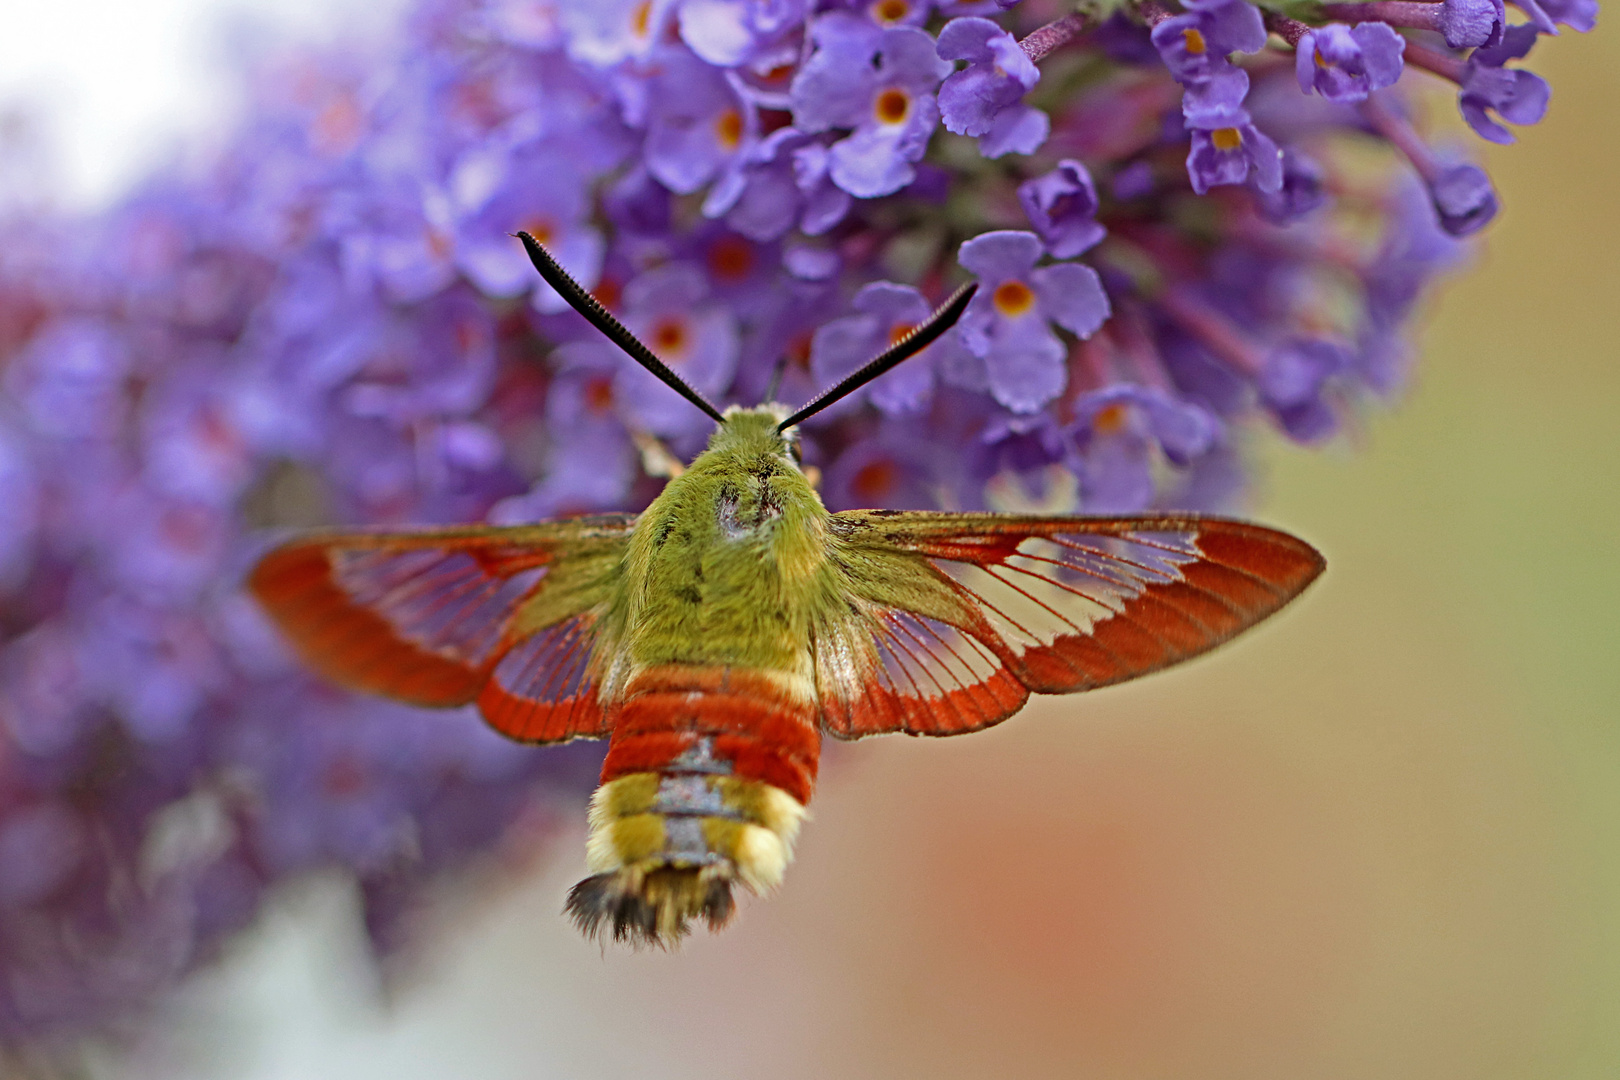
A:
584, 303
943, 318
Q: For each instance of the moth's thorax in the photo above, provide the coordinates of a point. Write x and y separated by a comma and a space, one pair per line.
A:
728, 565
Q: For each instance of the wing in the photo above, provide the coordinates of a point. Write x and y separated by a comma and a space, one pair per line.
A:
502, 616
954, 619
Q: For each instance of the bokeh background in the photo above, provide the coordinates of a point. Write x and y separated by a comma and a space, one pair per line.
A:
1380, 837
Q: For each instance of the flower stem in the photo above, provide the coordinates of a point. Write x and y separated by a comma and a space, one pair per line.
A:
1415, 14
1447, 67
1040, 43
1290, 30
1153, 11
1402, 136
1211, 329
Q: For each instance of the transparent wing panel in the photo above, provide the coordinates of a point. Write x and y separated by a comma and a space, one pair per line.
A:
443, 601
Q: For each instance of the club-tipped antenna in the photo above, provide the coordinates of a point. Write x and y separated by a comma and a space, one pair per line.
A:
924, 335
584, 303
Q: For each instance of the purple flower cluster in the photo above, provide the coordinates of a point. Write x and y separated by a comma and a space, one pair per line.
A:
331, 323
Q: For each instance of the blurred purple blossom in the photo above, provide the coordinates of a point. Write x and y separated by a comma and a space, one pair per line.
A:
1116, 432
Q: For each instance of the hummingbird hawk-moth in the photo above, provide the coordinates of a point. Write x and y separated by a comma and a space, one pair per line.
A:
716, 636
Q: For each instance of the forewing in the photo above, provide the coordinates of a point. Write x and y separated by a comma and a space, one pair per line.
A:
503, 616
951, 612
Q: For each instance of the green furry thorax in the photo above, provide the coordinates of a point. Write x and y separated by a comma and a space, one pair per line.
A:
728, 564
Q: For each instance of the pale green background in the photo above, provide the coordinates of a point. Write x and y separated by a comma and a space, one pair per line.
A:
1380, 838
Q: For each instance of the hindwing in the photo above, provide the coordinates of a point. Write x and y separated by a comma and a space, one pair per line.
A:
955, 618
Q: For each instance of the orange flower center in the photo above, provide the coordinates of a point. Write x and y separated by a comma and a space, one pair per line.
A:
1194, 41
875, 480
890, 11
728, 128
1013, 298
469, 335
641, 19
337, 127
899, 331
343, 777
798, 351
1226, 138
669, 337
1109, 419
599, 394
731, 258
439, 244
607, 293
541, 229
893, 105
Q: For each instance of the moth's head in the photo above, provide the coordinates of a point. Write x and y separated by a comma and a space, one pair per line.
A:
757, 432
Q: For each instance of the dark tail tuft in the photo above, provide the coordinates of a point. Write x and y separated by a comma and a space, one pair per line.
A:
653, 907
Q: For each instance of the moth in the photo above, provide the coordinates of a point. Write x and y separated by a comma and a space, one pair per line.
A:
716, 637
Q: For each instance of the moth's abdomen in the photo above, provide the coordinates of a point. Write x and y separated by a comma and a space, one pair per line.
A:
704, 787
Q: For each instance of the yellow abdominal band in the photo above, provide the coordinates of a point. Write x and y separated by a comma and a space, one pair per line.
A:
720, 826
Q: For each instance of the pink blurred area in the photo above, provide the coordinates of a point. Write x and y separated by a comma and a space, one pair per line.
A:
1378, 838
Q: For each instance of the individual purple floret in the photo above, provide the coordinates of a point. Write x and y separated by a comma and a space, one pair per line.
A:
1415, 248
1464, 198
592, 462
528, 189
696, 121
1291, 385
1062, 205
1008, 322
1195, 45
1118, 432
1462, 193
757, 195
888, 469
779, 182
1548, 15
1519, 97
669, 309
986, 97
1345, 63
1302, 189
881, 84
1227, 148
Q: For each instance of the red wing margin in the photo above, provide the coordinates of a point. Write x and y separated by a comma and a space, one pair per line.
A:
446, 617
1008, 605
